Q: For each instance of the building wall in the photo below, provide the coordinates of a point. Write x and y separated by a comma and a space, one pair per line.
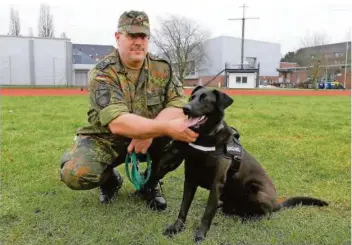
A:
227, 50
297, 77
50, 62
231, 51
14, 61
33, 61
329, 54
251, 80
213, 63
287, 64
218, 81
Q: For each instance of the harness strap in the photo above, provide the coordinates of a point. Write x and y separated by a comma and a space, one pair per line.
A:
235, 150
231, 150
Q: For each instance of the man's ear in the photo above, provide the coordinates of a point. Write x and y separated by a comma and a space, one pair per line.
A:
196, 88
222, 100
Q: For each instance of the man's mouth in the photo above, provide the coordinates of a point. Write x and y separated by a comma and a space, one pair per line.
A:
195, 122
137, 49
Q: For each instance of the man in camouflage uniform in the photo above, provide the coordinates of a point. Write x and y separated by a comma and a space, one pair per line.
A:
134, 105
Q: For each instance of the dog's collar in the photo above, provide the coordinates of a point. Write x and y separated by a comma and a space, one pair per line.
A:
203, 148
208, 148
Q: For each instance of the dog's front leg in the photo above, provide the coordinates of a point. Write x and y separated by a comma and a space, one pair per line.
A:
189, 191
210, 211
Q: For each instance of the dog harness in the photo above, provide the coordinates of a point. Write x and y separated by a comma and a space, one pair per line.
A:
231, 150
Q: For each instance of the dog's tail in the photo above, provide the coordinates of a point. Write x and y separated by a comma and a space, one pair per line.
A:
296, 201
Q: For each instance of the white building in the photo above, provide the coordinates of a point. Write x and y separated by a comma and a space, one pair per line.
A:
261, 59
34, 61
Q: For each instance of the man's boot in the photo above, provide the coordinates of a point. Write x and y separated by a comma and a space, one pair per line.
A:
153, 196
110, 188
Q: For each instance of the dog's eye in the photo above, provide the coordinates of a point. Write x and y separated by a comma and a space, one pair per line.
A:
202, 97
191, 98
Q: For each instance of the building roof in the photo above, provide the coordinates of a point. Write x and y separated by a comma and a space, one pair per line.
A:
245, 39
343, 44
81, 58
90, 52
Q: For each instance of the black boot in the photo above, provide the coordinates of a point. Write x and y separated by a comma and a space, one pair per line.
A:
110, 188
153, 196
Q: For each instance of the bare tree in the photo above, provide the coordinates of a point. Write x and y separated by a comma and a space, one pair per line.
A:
45, 23
315, 39
180, 40
15, 26
63, 35
30, 32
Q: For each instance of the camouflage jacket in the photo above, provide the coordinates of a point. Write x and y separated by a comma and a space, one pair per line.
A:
112, 93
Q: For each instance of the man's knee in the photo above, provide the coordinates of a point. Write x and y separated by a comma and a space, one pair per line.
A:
82, 167
78, 177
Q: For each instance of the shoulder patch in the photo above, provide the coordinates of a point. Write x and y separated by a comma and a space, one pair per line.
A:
102, 95
105, 63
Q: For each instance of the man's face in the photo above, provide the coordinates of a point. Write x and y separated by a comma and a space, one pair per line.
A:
132, 47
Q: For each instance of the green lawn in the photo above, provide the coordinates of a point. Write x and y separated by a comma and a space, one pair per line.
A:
303, 143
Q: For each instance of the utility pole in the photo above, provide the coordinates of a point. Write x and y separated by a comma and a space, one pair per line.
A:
243, 27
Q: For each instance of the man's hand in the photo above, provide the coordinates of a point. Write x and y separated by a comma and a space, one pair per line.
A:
178, 130
139, 145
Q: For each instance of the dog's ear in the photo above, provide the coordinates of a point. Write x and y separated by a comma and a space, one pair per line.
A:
196, 88
222, 100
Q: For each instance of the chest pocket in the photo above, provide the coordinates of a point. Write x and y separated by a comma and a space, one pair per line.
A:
154, 104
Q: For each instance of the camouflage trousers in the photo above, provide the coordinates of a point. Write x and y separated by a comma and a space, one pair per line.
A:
90, 161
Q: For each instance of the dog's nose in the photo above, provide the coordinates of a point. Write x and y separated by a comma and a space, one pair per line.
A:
186, 109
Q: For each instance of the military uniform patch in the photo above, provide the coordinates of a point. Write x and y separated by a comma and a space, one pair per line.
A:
102, 95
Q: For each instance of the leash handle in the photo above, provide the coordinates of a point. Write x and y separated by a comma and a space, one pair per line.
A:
134, 176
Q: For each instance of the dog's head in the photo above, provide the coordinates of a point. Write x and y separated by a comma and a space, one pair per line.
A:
205, 109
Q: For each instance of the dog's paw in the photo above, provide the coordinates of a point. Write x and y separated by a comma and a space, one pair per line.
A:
199, 236
177, 227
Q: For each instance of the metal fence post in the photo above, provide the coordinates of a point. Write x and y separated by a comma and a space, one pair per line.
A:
10, 75
54, 70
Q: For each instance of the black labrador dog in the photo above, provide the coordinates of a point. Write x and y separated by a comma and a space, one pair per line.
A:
217, 162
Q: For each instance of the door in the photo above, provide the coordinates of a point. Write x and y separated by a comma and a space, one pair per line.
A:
81, 78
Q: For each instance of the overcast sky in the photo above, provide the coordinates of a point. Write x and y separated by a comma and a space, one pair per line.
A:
284, 22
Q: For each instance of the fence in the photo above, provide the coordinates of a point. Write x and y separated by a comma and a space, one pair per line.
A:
38, 71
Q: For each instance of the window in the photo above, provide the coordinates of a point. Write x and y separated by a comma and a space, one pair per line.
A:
241, 79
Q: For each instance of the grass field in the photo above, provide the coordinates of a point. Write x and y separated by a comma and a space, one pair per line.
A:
303, 143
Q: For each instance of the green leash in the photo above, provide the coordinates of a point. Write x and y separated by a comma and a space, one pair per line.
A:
134, 175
